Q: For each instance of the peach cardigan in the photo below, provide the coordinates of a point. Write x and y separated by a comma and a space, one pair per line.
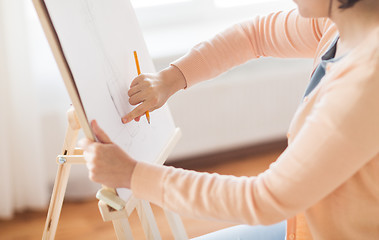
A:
329, 174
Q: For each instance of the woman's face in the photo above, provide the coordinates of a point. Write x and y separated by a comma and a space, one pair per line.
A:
314, 8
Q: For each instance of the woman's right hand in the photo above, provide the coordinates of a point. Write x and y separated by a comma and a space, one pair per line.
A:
151, 91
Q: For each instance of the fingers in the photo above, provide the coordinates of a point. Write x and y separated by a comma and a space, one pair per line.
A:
84, 143
138, 98
140, 78
136, 81
100, 134
109, 165
140, 91
146, 90
135, 89
90, 149
136, 113
87, 144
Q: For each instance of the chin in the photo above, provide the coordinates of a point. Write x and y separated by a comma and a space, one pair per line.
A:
308, 13
305, 14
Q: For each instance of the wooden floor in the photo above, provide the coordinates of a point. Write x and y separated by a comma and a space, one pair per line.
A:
83, 221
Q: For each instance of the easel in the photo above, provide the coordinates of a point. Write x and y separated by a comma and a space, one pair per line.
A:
119, 218
120, 211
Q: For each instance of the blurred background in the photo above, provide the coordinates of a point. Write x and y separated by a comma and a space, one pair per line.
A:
247, 106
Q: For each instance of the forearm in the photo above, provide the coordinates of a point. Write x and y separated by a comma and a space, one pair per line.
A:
204, 195
282, 34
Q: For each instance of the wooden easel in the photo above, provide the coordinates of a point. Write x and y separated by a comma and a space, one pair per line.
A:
119, 218
120, 210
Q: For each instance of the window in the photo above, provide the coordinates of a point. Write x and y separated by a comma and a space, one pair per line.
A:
234, 3
154, 13
151, 3
171, 27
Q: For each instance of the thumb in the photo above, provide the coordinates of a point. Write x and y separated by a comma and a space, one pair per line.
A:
100, 134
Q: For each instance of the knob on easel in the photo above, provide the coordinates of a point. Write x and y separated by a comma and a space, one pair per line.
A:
110, 198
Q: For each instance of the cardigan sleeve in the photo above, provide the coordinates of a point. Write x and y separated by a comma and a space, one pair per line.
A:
281, 34
338, 138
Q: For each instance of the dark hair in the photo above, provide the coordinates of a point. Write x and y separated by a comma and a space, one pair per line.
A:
347, 3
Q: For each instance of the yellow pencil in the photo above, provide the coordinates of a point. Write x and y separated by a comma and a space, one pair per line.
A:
139, 72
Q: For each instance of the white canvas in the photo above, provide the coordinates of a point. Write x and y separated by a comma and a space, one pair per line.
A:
98, 38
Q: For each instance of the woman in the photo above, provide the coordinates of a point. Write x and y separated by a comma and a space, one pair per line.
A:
325, 184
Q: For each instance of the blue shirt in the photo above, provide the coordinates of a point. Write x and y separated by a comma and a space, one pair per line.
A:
319, 72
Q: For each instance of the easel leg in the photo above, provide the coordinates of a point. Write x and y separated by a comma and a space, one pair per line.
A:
176, 225
122, 229
147, 219
56, 201
61, 179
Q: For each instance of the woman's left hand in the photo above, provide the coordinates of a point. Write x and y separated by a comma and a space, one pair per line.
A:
107, 163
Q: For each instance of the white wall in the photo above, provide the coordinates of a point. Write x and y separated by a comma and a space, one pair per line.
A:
251, 104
